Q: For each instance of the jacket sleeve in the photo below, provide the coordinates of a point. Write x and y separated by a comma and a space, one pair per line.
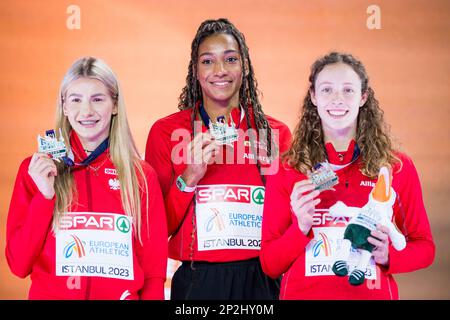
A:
412, 221
282, 241
158, 154
152, 251
285, 139
29, 221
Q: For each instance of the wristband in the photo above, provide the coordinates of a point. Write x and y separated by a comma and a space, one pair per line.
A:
181, 185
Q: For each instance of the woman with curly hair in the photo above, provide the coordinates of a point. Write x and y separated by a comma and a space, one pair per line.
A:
211, 158
341, 128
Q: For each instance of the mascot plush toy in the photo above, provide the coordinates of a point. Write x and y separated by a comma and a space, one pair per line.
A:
378, 210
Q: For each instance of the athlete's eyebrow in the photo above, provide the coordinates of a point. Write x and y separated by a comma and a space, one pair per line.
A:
75, 95
225, 52
80, 95
329, 82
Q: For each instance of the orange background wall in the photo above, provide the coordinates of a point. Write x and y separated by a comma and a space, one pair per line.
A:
147, 44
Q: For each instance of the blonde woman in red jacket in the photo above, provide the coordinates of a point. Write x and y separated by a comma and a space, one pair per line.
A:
93, 228
343, 125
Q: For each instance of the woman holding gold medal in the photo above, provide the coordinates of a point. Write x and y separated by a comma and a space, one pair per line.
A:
211, 158
88, 222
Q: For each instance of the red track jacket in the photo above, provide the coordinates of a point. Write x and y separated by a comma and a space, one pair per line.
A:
283, 244
31, 243
179, 205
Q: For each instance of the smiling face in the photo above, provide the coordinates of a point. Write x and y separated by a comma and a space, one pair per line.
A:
337, 96
219, 70
89, 107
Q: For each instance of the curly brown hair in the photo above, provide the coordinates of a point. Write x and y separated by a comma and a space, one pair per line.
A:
372, 133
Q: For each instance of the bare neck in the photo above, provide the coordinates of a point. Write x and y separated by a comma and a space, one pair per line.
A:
217, 109
340, 139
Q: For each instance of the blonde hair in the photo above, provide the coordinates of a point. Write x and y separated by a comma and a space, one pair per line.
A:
122, 149
372, 133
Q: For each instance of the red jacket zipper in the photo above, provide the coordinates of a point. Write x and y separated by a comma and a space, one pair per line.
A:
89, 203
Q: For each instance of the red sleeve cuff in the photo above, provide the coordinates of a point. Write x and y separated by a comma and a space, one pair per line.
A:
41, 206
153, 289
392, 262
177, 203
181, 196
296, 237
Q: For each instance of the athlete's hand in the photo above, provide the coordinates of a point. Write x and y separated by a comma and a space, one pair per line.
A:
380, 239
303, 203
43, 171
203, 149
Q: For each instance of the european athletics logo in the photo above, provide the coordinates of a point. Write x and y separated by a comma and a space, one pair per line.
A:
214, 220
74, 246
322, 244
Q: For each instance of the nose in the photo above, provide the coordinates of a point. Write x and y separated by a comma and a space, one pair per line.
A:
219, 68
337, 98
86, 109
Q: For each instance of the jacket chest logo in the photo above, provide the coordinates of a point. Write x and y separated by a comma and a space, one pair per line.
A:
114, 184
367, 184
110, 171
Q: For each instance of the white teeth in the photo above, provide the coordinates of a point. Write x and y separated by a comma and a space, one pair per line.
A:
221, 83
88, 122
337, 112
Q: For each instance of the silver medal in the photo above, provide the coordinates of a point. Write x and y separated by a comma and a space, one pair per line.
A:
223, 133
51, 145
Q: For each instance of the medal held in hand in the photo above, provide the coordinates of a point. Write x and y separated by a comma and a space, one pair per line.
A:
56, 148
323, 177
222, 132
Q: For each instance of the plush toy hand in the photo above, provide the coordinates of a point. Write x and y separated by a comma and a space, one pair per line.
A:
380, 239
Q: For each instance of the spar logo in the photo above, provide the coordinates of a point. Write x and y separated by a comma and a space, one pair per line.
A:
88, 221
223, 194
322, 245
214, 221
123, 224
75, 246
322, 217
258, 195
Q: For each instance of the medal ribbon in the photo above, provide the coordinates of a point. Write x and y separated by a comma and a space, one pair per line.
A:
206, 119
94, 155
336, 167
356, 153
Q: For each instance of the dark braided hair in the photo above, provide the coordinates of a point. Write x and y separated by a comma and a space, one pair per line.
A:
248, 92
